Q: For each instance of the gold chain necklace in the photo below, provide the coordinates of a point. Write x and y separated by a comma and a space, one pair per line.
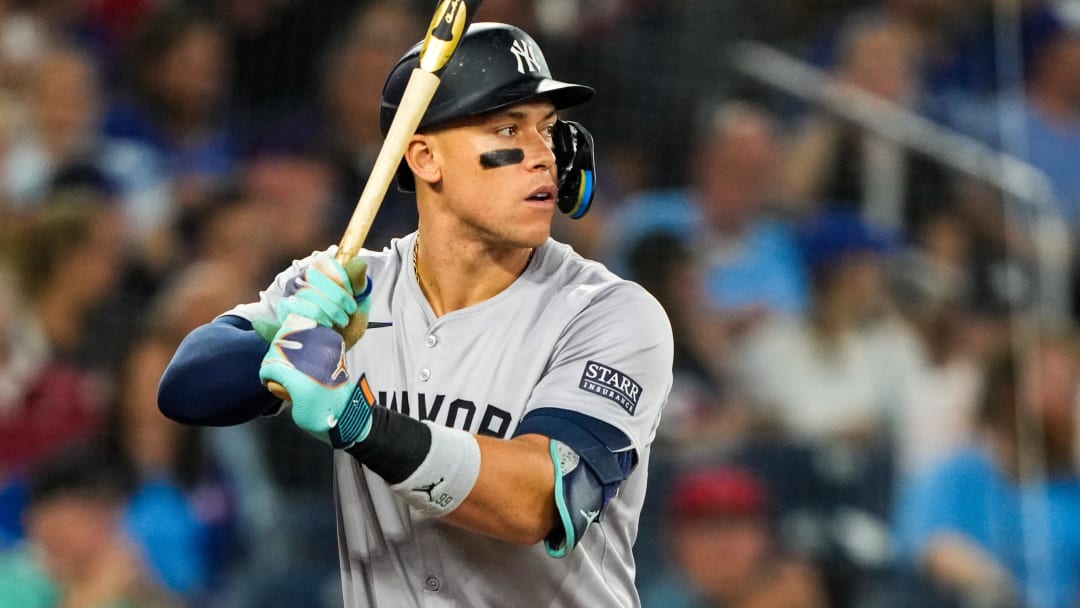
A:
416, 254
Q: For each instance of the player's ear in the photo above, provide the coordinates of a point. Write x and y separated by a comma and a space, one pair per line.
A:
422, 159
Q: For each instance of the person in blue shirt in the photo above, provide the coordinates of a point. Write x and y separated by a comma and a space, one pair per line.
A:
749, 255
77, 551
996, 522
173, 102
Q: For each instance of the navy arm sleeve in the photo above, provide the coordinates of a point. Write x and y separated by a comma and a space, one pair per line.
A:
213, 379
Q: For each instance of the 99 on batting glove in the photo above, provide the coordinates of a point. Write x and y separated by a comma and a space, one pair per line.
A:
326, 292
308, 359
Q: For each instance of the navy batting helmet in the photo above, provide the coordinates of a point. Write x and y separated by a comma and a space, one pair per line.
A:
495, 65
498, 65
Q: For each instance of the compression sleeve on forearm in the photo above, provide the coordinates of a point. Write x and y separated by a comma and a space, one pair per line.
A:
213, 379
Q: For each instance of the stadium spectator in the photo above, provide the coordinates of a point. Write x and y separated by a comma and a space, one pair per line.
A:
278, 488
274, 49
173, 101
62, 137
837, 374
1042, 126
66, 259
969, 64
832, 384
24, 363
702, 406
932, 290
294, 189
77, 554
229, 232
748, 256
724, 549
182, 510
1048, 117
993, 524
830, 163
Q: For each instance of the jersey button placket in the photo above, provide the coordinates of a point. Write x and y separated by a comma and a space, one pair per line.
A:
433, 583
430, 341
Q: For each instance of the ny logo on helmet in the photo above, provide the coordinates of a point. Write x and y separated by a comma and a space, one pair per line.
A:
526, 56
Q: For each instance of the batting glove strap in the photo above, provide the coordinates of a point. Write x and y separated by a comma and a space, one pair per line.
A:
355, 421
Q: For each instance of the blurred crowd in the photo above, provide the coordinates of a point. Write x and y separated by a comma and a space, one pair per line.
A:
874, 404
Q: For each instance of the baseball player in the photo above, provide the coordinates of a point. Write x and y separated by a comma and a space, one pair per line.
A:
492, 426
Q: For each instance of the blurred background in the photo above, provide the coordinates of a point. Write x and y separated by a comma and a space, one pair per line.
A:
860, 216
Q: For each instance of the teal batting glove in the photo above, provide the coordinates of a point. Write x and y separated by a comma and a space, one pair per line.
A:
308, 359
327, 292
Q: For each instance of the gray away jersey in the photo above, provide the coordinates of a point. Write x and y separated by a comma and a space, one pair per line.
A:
566, 334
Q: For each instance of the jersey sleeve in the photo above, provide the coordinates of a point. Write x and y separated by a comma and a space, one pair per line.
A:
613, 363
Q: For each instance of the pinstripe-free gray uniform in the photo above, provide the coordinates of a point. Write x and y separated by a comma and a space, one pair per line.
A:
566, 334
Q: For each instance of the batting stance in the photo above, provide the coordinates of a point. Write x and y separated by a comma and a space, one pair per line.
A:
492, 427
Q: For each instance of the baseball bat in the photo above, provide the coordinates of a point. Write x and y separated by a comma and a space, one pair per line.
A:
448, 25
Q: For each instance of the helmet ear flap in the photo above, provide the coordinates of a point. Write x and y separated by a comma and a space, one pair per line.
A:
577, 167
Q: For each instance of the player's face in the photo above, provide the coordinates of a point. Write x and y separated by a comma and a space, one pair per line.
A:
499, 174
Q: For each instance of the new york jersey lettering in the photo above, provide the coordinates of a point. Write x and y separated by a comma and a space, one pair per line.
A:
493, 421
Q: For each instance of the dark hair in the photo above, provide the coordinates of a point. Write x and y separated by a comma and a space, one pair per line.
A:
85, 180
157, 35
86, 469
997, 406
1003, 409
38, 244
652, 259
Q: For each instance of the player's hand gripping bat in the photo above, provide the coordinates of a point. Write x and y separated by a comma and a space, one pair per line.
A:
447, 27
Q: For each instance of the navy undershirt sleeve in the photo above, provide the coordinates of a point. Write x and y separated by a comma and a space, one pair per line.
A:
213, 379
